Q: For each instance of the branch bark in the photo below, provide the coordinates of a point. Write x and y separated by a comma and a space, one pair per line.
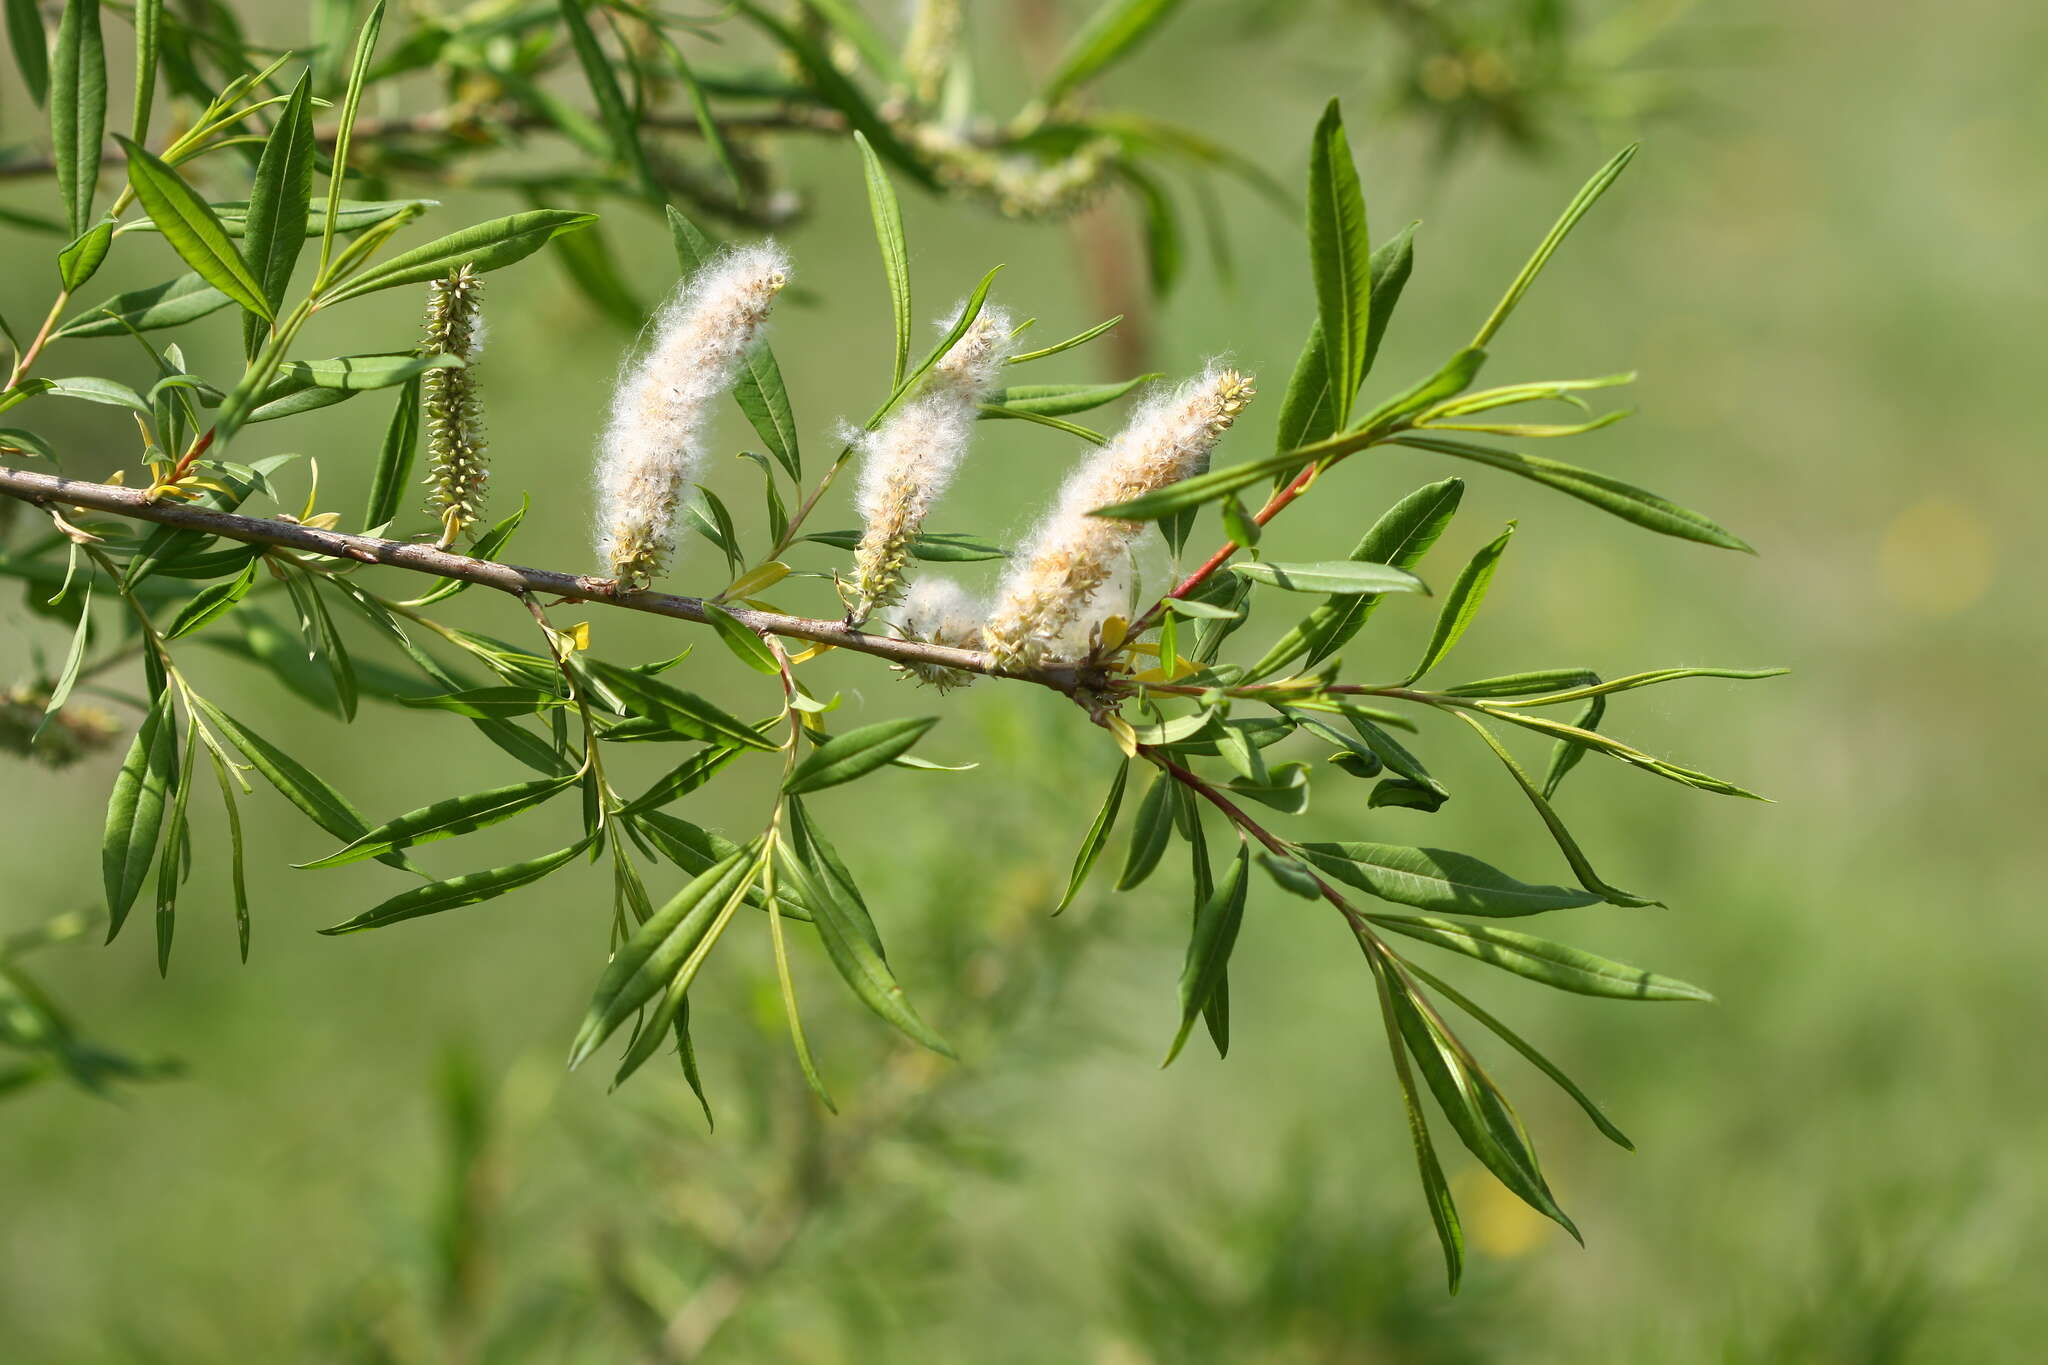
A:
516, 579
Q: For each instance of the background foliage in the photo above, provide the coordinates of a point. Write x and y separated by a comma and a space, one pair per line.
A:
1838, 1159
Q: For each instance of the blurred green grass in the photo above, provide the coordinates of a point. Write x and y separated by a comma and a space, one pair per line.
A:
1824, 279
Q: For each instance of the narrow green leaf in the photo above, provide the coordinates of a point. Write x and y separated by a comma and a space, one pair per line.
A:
280, 197
1336, 575
619, 121
323, 641
238, 872
1340, 257
721, 152
1524, 684
1624, 500
856, 753
1097, 836
1060, 400
684, 778
486, 246
395, 458
81, 260
1210, 945
1111, 34
212, 602
1078, 339
74, 659
31, 47
1588, 195
1152, 827
489, 703
351, 104
468, 889
1442, 1211
748, 647
489, 544
832, 86
149, 16
1553, 964
170, 868
78, 108
931, 546
192, 229
1467, 595
888, 216
449, 818
1591, 686
135, 811
1438, 879
171, 304
683, 712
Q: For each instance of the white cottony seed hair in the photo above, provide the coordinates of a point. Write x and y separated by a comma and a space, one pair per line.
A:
1043, 603
941, 612
908, 461
655, 442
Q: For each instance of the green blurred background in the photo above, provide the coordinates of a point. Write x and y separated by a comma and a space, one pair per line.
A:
1821, 267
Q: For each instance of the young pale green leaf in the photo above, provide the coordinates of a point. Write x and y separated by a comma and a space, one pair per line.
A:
212, 602
1335, 575
80, 261
192, 229
1098, 834
1554, 964
487, 246
1524, 684
747, 646
135, 811
1078, 339
651, 960
1467, 595
280, 197
1566, 844
856, 753
1401, 537
1110, 35
1614, 748
1438, 879
1209, 947
1340, 257
468, 889
888, 216
446, 819
1535, 1058
31, 47
1587, 685
78, 106
393, 477
1624, 500
318, 801
848, 934
1588, 195
1151, 829
171, 304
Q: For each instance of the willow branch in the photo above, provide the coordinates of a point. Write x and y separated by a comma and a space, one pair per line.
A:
516, 579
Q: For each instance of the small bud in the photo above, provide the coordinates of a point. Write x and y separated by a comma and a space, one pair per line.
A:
456, 469
1053, 598
910, 459
655, 441
939, 611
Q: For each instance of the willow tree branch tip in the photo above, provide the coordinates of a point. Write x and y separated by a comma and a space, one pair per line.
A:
519, 580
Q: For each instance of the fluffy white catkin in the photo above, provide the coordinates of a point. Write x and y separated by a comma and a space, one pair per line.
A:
939, 611
1044, 602
908, 461
654, 443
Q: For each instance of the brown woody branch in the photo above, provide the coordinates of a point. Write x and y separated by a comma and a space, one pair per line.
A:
516, 579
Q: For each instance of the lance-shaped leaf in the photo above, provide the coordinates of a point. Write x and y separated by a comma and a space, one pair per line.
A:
1400, 538
1340, 257
489, 703
1442, 1211
683, 779
1624, 500
171, 867
468, 889
1438, 879
280, 197
1429, 793
1334, 575
1209, 947
1150, 830
170, 304
1078, 339
31, 47
351, 104
485, 247
848, 933
748, 647
314, 797
389, 485
192, 229
1111, 34
1059, 400
1629, 754
135, 811
1588, 195
1524, 684
446, 819
619, 121
1098, 834
1587, 685
212, 602
649, 962
78, 105
937, 547
835, 89
1307, 412
685, 713
856, 753
888, 217
1467, 595
1554, 964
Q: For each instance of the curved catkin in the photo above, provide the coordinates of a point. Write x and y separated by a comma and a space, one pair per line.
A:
939, 611
653, 445
909, 460
1047, 604
456, 469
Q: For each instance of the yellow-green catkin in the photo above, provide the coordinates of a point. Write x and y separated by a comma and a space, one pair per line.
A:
456, 469
1048, 604
655, 443
908, 461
